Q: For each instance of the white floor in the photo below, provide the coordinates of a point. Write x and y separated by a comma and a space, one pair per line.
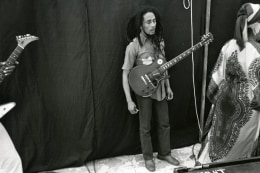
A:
135, 163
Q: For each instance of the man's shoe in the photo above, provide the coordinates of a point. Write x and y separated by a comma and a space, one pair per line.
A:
169, 159
150, 165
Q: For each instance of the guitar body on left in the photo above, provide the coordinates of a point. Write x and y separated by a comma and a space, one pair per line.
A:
144, 79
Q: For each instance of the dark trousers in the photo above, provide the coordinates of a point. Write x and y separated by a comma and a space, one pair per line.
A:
145, 105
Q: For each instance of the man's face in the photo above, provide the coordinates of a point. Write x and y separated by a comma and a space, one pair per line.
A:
149, 23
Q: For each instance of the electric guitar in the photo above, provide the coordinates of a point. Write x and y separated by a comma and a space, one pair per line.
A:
22, 42
144, 79
4, 108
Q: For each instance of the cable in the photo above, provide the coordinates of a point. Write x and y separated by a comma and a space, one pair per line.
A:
193, 77
94, 166
184, 5
87, 168
193, 156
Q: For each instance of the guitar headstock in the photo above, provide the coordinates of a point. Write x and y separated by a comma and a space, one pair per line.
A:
207, 38
24, 40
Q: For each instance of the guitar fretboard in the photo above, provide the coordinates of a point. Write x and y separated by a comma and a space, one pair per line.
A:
180, 57
10, 61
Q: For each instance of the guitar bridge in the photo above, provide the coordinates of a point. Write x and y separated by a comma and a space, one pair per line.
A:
147, 77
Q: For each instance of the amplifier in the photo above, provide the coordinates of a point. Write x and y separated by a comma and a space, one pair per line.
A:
249, 165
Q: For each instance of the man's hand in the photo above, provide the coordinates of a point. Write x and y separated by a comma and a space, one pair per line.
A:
132, 107
169, 94
8, 70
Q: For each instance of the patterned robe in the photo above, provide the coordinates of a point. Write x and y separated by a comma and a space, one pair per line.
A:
234, 120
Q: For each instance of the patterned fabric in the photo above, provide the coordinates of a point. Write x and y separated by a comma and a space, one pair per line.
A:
254, 75
233, 122
232, 110
213, 87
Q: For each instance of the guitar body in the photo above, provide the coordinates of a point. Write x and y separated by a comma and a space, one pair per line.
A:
144, 79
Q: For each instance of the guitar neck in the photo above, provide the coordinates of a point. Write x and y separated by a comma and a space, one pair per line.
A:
180, 57
10, 61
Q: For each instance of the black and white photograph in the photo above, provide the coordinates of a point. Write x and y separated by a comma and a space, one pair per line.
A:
129, 86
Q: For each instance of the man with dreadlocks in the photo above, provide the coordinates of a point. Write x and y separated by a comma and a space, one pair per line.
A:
145, 31
234, 90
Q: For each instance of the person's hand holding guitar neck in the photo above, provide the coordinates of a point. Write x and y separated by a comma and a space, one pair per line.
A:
9, 69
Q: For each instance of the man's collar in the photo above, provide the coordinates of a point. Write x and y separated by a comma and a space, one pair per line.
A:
143, 37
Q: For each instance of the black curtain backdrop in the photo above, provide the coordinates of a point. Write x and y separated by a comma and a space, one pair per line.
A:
70, 103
